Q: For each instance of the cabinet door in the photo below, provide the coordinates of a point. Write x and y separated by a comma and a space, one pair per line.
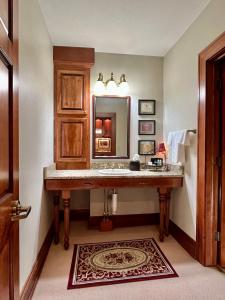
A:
72, 143
72, 91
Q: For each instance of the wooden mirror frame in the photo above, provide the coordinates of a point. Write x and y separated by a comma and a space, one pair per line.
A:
128, 99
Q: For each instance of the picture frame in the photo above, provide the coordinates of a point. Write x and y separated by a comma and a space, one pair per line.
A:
146, 107
103, 145
146, 127
146, 147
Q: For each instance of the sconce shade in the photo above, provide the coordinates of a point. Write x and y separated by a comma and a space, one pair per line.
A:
162, 147
111, 86
123, 86
98, 126
99, 88
107, 127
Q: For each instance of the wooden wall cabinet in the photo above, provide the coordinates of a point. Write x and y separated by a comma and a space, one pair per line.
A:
72, 106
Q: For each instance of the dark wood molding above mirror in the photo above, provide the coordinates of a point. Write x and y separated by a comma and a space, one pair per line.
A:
111, 127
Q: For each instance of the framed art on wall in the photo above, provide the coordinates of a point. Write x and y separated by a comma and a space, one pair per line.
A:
146, 127
146, 147
146, 107
103, 144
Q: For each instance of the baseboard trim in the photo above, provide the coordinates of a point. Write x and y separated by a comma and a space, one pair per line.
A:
183, 239
126, 220
135, 220
32, 280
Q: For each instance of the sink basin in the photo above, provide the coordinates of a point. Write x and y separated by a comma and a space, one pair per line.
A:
114, 171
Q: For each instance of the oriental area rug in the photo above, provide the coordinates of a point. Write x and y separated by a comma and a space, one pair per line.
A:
118, 262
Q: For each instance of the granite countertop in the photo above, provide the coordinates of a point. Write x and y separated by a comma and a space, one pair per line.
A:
51, 173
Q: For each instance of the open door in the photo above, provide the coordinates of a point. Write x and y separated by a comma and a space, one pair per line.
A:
211, 155
10, 210
221, 155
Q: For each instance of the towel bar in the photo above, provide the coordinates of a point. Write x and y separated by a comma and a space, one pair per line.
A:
192, 131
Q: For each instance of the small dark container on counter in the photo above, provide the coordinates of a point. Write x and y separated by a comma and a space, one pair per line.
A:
135, 165
157, 161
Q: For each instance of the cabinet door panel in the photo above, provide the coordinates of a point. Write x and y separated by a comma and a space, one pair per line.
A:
71, 91
72, 140
72, 137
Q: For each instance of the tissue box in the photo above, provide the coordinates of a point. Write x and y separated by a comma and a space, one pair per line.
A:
134, 165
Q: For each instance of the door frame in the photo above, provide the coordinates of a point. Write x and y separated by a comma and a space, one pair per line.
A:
9, 53
207, 201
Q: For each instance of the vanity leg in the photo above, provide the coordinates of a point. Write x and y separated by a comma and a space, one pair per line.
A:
66, 203
167, 216
162, 209
56, 217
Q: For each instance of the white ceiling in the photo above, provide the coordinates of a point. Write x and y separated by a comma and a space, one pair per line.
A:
143, 27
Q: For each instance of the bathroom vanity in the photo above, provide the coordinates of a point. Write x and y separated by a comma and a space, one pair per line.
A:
62, 182
110, 130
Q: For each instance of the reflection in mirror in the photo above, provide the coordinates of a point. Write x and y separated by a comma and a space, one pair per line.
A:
111, 127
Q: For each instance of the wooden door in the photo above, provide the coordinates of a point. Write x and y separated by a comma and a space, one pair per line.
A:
9, 230
210, 211
221, 186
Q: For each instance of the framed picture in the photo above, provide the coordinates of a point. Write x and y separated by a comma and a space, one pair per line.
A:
103, 144
146, 127
146, 107
146, 147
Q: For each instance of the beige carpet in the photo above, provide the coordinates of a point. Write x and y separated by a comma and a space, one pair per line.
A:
194, 281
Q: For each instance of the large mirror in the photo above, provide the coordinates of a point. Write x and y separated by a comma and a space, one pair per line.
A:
111, 127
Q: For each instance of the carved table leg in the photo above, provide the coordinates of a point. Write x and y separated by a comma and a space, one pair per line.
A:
162, 209
167, 213
56, 217
66, 202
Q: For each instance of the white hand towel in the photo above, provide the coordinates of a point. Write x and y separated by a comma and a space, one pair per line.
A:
177, 140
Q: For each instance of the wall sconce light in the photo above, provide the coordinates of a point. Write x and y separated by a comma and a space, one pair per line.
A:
110, 87
100, 86
98, 126
123, 86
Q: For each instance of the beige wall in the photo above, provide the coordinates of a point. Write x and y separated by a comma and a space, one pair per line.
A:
36, 129
145, 77
181, 102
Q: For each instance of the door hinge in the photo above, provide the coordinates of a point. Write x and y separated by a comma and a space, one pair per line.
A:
219, 161
217, 236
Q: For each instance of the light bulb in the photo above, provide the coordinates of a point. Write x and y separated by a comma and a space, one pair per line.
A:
111, 86
124, 88
99, 88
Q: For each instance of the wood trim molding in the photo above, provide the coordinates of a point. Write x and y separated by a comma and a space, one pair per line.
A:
183, 239
77, 55
126, 220
206, 198
32, 280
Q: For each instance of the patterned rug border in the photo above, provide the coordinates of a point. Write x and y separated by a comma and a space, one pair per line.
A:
119, 281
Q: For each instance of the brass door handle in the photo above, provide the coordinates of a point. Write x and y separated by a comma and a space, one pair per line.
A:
19, 212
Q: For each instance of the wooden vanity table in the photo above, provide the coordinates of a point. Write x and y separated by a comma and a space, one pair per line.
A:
62, 182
